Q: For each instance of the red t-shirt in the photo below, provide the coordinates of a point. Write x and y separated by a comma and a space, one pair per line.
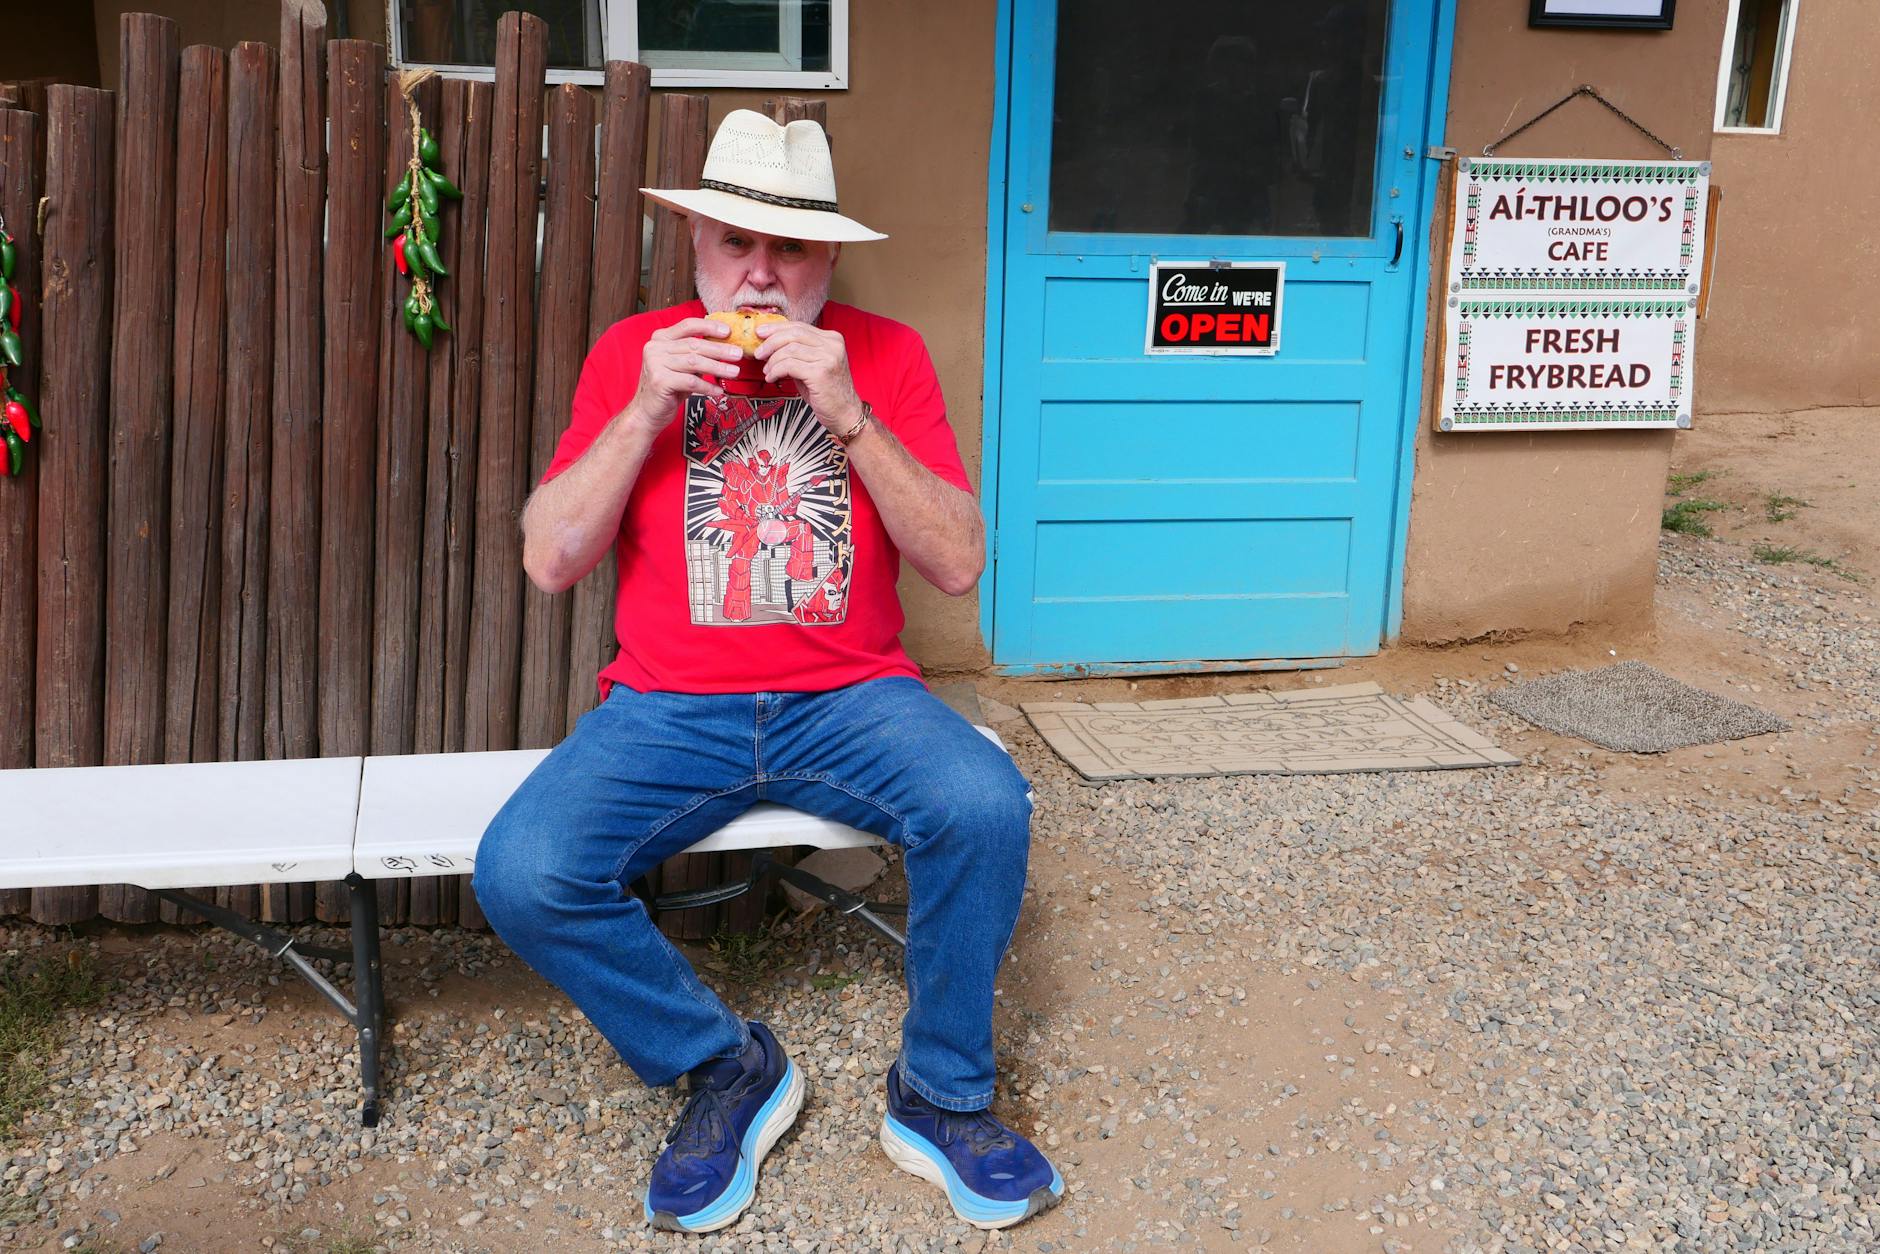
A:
750, 558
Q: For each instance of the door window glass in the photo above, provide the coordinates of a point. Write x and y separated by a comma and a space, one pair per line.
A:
1216, 117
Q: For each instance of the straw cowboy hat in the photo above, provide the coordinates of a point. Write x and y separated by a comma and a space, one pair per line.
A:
779, 180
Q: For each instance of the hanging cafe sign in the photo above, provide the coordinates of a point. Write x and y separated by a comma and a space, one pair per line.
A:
1572, 294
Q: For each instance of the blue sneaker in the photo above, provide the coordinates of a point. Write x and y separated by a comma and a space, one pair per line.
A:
993, 1176
707, 1174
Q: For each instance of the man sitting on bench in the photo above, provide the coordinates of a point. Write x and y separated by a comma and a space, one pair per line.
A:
759, 504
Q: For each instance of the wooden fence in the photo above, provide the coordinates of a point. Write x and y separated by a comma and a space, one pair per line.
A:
260, 521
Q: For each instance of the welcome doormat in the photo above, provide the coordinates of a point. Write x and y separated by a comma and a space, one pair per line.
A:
1317, 731
1633, 708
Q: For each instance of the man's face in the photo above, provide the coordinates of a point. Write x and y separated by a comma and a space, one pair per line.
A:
740, 269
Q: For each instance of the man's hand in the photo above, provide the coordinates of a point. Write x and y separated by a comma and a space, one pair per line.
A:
685, 358
818, 361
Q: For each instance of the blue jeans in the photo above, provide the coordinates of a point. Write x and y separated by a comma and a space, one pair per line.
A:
644, 775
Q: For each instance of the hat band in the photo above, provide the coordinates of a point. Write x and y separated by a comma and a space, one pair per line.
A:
769, 198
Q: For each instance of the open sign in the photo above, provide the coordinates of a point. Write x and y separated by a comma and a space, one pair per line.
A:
1217, 308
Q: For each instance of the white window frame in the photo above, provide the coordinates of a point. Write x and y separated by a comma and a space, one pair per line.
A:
1792, 16
620, 37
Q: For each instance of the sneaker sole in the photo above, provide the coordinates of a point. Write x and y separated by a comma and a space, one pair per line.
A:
771, 1123
905, 1150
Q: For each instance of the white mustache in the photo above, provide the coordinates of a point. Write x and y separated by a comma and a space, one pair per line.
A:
748, 295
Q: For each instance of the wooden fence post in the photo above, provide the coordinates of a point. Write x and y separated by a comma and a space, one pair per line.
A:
491, 688
355, 87
142, 365
463, 136
195, 479
450, 443
351, 315
291, 675
398, 558
561, 340
618, 214
193, 630
253, 148
508, 329
73, 448
681, 158
20, 182
790, 109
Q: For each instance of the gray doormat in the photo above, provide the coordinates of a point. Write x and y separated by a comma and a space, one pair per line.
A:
1634, 708
1314, 731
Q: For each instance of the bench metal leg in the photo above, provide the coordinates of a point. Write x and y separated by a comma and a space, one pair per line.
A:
844, 901
368, 1017
763, 866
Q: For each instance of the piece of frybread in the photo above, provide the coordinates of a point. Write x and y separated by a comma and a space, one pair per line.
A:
744, 327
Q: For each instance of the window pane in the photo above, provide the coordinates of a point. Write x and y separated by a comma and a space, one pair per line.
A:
735, 34
1755, 64
463, 32
1216, 117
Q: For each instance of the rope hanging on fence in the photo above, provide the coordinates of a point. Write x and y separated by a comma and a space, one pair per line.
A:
1584, 89
415, 205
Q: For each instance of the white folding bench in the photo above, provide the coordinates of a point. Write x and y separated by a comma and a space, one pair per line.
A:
177, 826
186, 825
423, 814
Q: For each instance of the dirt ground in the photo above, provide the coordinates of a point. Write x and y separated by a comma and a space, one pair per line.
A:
1274, 1030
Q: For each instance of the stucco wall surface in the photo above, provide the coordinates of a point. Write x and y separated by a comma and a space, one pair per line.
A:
1791, 318
1511, 531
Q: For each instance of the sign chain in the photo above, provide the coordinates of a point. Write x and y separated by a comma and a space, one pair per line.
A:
1584, 89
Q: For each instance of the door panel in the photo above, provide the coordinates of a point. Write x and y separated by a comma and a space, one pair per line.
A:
1176, 509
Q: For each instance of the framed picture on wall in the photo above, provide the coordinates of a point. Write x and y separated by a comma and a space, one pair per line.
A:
1620, 14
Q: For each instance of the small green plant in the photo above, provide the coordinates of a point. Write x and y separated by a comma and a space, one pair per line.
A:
1781, 508
1686, 517
349, 1240
15, 1211
1778, 554
35, 993
1678, 485
745, 957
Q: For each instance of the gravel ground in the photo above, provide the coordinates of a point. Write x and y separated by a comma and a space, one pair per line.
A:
1823, 629
1466, 1010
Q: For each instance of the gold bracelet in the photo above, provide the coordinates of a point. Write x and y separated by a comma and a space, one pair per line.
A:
861, 424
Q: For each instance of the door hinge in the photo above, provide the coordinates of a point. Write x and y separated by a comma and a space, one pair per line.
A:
1440, 152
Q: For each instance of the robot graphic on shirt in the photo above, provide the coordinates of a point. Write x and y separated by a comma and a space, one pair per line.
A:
759, 510
767, 514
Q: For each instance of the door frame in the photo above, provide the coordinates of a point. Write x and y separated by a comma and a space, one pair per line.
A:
1418, 241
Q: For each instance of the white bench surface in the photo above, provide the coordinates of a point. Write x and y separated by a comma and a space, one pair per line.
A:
183, 825
424, 814
192, 825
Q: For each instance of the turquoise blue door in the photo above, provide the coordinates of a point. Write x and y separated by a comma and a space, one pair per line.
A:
1168, 511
